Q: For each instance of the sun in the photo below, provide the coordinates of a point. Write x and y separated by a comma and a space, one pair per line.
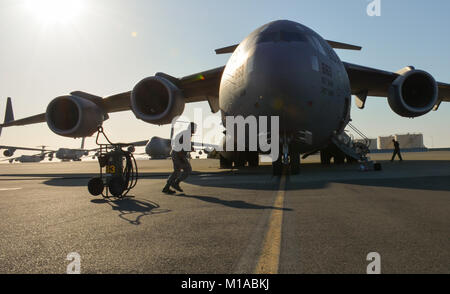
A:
55, 11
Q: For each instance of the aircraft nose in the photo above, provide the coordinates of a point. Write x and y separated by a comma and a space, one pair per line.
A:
283, 79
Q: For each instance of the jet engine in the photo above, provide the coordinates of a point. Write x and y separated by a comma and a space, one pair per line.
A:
9, 152
413, 93
157, 100
74, 117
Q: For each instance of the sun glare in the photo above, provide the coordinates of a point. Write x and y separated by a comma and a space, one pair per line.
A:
55, 11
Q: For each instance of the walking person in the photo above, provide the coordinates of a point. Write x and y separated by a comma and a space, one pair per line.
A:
181, 166
396, 150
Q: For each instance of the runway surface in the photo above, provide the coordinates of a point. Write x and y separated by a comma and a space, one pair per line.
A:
325, 220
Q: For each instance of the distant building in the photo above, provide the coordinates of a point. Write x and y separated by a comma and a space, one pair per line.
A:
372, 144
405, 140
410, 141
385, 142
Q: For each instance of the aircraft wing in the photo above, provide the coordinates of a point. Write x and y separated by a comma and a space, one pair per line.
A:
376, 82
204, 146
139, 143
201, 86
24, 148
12, 159
196, 87
39, 118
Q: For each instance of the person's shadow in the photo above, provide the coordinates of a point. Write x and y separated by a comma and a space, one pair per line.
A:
232, 203
129, 206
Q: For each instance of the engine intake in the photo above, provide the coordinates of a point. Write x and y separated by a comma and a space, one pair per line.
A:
157, 100
413, 93
9, 152
74, 117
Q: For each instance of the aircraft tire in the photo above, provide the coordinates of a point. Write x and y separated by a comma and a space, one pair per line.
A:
277, 167
295, 163
253, 159
240, 160
225, 163
325, 157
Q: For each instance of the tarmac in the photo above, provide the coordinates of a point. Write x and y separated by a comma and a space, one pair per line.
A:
327, 219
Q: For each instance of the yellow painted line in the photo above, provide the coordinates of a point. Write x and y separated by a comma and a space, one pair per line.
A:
10, 189
270, 255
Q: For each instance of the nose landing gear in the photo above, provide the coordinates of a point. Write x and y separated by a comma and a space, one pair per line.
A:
288, 160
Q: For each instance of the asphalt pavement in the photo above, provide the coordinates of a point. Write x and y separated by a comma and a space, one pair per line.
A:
325, 220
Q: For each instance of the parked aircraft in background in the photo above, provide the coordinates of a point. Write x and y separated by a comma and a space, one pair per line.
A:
10, 150
64, 154
29, 158
67, 154
160, 148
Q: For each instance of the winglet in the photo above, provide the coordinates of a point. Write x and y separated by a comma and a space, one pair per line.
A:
9, 114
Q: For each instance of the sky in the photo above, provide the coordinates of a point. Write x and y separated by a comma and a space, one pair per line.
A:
105, 47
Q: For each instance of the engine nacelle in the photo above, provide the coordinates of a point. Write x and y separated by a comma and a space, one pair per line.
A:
413, 93
74, 117
9, 152
157, 100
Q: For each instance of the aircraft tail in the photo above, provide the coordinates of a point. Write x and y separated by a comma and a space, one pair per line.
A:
9, 114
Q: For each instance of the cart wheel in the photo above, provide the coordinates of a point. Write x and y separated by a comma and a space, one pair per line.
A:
96, 186
116, 186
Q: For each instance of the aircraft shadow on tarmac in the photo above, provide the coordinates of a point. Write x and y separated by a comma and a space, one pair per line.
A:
132, 210
231, 203
261, 179
430, 183
295, 183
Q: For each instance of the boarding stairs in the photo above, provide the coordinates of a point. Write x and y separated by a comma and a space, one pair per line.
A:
356, 149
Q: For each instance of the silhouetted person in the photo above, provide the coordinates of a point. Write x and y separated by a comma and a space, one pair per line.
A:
396, 150
180, 162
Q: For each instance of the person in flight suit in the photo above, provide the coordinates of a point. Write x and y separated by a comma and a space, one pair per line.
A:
396, 150
181, 166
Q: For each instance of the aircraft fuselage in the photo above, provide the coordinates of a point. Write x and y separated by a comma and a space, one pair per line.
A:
285, 69
158, 148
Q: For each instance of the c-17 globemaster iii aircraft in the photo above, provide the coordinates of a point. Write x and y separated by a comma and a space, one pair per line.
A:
64, 154
28, 158
282, 69
160, 148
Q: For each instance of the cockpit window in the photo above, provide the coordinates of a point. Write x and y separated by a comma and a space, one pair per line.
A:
281, 36
292, 37
268, 37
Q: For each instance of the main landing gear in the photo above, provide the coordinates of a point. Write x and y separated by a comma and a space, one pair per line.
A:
240, 160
